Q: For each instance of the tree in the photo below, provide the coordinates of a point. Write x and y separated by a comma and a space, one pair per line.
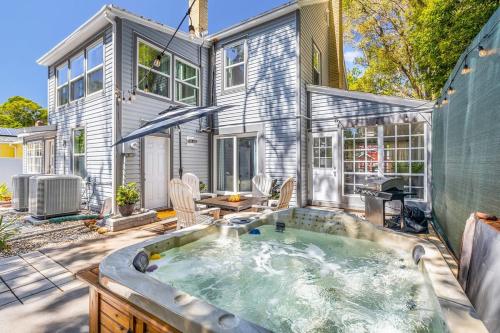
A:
443, 30
19, 111
410, 46
381, 30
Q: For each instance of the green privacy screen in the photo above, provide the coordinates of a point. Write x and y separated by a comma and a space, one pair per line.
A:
466, 138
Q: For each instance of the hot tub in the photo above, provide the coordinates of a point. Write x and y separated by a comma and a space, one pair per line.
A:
325, 272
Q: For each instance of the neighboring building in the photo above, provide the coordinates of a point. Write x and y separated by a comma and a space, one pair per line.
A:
11, 154
98, 92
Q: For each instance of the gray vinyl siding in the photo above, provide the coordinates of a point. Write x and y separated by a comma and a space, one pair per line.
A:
330, 112
94, 113
269, 98
146, 107
313, 28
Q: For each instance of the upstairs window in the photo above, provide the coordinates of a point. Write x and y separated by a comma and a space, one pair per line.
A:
77, 77
86, 67
95, 68
79, 164
234, 65
157, 82
187, 83
316, 65
62, 85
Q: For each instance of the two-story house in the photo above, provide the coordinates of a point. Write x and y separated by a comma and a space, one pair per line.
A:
99, 89
277, 70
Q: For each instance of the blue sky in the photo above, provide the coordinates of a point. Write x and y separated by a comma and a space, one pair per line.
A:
33, 27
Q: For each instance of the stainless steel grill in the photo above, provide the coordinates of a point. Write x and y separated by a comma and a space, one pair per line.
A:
377, 191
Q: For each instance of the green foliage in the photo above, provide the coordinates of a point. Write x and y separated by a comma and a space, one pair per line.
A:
5, 194
203, 187
127, 194
443, 30
21, 112
409, 47
7, 230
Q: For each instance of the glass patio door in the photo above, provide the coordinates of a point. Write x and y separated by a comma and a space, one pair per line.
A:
236, 163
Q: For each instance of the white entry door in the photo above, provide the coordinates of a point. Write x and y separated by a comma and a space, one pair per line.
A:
325, 163
156, 167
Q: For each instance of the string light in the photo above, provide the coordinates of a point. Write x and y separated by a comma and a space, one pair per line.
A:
146, 87
482, 51
451, 90
445, 101
192, 33
157, 61
466, 69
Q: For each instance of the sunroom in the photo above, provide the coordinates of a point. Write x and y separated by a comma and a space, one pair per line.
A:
355, 135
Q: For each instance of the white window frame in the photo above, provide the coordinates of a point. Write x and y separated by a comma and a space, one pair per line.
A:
198, 79
381, 159
70, 80
244, 62
235, 138
64, 64
95, 68
316, 49
31, 156
73, 148
137, 65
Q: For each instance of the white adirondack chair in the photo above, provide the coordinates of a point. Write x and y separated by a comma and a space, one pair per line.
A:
185, 207
261, 185
286, 192
191, 180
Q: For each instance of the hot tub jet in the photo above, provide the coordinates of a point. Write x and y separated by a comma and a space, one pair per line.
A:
280, 226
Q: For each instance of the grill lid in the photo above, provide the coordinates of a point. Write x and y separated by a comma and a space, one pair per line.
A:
383, 184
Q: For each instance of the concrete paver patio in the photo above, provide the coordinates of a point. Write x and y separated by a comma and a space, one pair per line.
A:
39, 292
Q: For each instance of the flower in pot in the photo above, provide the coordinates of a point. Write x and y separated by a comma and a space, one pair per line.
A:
126, 197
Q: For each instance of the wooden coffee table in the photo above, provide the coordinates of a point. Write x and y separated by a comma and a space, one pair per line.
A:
223, 204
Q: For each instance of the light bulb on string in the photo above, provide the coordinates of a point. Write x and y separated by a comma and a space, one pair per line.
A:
157, 61
466, 69
451, 90
482, 51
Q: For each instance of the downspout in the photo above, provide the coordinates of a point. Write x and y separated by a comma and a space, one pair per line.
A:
114, 152
180, 152
211, 102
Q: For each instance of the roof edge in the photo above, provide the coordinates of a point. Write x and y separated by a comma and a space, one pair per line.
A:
408, 102
255, 21
99, 20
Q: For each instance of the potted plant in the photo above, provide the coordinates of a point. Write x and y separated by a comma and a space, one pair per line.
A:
126, 198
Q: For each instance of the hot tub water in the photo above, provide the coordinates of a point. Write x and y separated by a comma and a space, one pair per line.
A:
302, 281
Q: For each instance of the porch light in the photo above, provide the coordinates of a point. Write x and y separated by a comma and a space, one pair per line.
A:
482, 51
466, 70
451, 90
157, 61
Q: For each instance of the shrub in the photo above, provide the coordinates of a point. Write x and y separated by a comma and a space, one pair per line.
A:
127, 194
7, 230
5, 195
203, 187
